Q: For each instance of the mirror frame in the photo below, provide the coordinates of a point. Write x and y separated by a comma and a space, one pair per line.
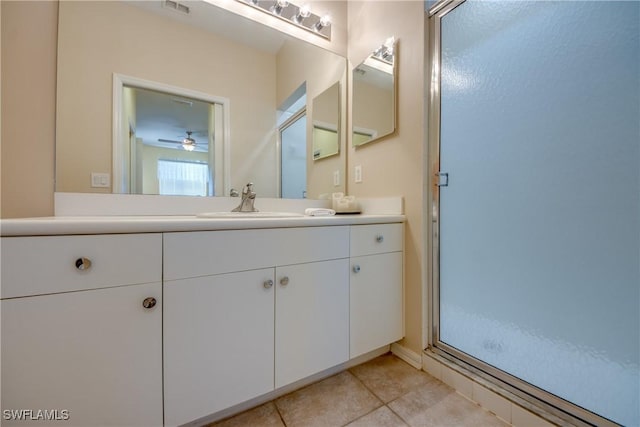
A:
390, 43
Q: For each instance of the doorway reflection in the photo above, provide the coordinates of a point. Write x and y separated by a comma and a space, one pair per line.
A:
292, 135
171, 140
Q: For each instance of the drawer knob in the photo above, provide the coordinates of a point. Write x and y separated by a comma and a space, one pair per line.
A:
379, 238
83, 264
284, 281
267, 284
356, 268
149, 302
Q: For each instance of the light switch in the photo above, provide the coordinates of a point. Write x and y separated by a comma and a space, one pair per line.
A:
336, 178
358, 173
100, 180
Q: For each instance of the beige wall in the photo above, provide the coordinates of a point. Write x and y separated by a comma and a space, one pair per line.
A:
28, 107
393, 165
97, 39
326, 105
322, 69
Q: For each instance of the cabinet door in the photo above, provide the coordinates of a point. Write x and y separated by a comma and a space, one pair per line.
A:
312, 318
96, 354
376, 302
218, 342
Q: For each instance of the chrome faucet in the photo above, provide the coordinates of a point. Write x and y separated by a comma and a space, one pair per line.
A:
248, 199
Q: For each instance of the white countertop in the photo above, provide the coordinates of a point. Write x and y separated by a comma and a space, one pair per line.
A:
62, 225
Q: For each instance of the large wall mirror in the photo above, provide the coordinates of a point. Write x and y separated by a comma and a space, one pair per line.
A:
154, 101
374, 95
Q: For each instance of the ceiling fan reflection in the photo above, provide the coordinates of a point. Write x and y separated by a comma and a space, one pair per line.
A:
188, 143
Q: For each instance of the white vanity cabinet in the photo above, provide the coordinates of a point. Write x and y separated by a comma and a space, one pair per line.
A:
312, 319
76, 337
376, 290
146, 329
247, 311
218, 342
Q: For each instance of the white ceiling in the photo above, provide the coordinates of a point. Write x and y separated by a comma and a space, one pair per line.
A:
164, 116
221, 22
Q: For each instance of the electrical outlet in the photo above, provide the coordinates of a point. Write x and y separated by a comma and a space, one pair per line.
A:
358, 173
100, 180
336, 178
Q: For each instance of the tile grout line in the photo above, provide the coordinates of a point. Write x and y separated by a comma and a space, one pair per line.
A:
397, 414
387, 403
383, 402
279, 413
370, 391
399, 397
380, 402
362, 416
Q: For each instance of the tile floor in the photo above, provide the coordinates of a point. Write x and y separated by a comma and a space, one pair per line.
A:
385, 392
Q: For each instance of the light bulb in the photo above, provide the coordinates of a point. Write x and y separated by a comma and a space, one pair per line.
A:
188, 147
389, 42
279, 6
303, 12
325, 21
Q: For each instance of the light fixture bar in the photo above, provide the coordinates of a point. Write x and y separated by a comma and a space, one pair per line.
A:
385, 52
300, 16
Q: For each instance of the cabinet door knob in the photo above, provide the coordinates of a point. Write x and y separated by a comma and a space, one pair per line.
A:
83, 264
284, 281
149, 302
356, 268
267, 284
379, 238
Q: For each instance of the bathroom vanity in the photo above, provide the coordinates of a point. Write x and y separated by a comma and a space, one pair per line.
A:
166, 321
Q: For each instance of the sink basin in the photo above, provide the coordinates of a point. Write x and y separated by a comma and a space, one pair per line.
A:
248, 215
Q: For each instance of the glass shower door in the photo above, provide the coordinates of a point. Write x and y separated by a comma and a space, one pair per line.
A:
539, 225
293, 157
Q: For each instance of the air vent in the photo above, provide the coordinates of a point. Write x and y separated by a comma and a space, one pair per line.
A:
178, 7
182, 101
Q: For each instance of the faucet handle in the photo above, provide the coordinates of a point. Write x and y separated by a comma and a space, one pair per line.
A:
248, 188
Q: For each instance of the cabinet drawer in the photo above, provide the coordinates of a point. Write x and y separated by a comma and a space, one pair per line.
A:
193, 254
47, 265
376, 239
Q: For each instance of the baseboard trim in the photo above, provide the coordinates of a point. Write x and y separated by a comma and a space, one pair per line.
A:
490, 395
411, 357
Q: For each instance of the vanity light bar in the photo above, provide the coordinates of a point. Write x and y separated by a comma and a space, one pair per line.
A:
385, 52
300, 16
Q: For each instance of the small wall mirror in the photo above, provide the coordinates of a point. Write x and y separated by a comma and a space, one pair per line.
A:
374, 95
326, 123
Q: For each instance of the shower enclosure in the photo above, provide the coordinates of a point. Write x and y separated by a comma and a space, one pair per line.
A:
536, 231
